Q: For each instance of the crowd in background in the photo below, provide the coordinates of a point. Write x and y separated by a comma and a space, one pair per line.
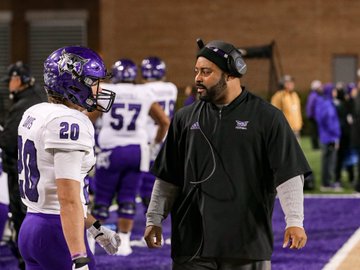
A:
332, 111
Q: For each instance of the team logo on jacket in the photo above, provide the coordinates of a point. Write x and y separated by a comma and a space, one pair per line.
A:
241, 124
195, 126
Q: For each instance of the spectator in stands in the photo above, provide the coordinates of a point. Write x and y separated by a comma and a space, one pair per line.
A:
343, 109
329, 135
355, 132
287, 100
315, 91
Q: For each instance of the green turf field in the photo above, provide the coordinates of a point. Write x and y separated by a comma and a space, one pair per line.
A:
314, 159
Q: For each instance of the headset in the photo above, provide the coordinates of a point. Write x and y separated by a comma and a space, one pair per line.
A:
23, 71
235, 62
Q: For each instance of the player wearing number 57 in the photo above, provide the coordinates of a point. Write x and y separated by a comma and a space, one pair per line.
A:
124, 152
55, 146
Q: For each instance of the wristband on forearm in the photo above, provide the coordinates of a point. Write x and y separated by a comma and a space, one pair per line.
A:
80, 259
97, 224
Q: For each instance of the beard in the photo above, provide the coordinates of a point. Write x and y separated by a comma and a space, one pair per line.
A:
214, 93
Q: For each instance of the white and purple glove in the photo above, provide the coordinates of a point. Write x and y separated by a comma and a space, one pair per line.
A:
106, 238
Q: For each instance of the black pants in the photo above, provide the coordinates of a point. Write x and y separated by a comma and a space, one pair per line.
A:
221, 264
314, 134
16, 207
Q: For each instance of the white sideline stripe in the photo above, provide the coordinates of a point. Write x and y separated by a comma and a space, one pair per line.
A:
342, 253
330, 196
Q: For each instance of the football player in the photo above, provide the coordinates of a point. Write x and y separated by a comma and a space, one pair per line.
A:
124, 148
55, 146
153, 71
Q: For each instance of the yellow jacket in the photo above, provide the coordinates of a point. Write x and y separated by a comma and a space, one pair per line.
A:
289, 104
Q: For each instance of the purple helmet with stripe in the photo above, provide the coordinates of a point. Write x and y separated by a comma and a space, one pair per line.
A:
72, 72
124, 70
153, 68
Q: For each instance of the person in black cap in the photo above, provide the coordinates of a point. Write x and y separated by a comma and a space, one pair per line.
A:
225, 158
23, 95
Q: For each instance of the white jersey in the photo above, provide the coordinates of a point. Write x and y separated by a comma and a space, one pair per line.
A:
166, 95
125, 124
43, 128
4, 191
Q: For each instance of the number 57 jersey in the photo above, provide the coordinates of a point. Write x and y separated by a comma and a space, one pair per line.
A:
46, 127
125, 124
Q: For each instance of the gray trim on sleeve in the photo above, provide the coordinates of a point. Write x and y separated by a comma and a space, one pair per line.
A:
162, 199
291, 198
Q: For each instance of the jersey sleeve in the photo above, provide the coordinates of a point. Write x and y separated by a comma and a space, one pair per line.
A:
285, 155
169, 163
149, 93
68, 133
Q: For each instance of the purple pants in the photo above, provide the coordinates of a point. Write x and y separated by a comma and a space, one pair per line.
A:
147, 183
122, 178
42, 244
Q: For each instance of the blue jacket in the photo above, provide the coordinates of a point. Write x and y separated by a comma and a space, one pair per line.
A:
311, 104
327, 120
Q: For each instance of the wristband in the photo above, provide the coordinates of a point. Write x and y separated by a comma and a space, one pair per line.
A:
97, 224
78, 255
80, 262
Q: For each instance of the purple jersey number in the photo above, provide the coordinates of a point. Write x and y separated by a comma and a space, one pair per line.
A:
27, 160
116, 115
168, 108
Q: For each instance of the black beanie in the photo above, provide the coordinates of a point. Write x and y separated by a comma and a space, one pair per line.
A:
215, 57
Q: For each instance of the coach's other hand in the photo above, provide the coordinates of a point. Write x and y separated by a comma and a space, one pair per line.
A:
295, 237
152, 236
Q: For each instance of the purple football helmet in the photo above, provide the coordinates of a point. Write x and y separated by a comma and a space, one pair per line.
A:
71, 72
124, 70
153, 68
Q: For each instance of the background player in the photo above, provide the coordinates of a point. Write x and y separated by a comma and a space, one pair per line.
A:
153, 72
124, 153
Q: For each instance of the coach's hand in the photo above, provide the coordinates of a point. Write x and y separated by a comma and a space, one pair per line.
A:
152, 236
295, 237
106, 238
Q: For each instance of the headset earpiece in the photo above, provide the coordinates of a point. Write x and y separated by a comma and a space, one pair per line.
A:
23, 71
235, 61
